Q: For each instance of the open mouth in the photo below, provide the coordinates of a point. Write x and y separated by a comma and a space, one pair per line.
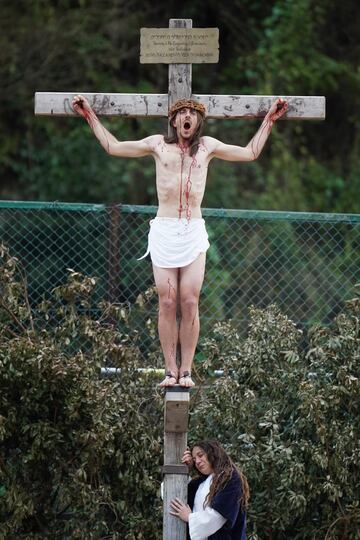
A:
187, 125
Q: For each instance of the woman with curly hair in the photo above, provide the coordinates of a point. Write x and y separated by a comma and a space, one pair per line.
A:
217, 497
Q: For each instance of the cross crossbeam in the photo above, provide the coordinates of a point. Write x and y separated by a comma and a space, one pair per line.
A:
156, 105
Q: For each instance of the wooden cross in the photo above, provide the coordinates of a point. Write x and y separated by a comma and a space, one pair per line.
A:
157, 105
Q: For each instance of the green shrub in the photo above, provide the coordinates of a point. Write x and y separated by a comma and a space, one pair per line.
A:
80, 456
290, 417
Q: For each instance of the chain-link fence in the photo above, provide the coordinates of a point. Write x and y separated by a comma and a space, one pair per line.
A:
306, 263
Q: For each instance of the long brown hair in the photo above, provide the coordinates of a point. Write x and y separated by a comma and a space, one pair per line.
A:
223, 468
194, 141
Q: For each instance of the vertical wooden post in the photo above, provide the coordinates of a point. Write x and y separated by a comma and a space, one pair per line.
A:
179, 74
113, 212
176, 420
180, 81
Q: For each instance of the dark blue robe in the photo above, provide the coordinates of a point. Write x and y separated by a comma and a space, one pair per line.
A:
227, 503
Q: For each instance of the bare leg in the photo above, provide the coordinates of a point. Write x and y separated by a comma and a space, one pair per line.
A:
166, 280
191, 280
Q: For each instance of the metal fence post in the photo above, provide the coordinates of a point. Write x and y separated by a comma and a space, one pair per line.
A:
113, 212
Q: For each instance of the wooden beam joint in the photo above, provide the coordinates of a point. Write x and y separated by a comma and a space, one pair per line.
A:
175, 469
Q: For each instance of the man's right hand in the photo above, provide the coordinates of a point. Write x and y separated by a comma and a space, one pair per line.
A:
81, 106
187, 458
277, 109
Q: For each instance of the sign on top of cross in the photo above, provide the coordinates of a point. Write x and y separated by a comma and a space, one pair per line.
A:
180, 86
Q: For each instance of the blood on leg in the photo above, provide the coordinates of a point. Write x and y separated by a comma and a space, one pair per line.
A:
190, 283
166, 283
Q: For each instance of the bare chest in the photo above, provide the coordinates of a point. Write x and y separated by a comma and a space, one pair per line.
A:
172, 160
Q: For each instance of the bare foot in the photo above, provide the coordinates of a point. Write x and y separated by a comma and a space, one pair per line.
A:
186, 380
170, 379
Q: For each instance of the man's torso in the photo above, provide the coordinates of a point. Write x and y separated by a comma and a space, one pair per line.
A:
180, 178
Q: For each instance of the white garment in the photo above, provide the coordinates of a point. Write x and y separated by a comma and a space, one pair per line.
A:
204, 522
176, 242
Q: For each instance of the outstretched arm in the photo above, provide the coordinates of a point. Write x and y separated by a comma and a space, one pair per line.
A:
253, 149
110, 143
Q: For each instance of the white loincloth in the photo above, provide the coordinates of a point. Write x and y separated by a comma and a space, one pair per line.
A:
176, 242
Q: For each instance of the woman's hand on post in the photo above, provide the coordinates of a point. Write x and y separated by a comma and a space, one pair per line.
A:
187, 458
180, 510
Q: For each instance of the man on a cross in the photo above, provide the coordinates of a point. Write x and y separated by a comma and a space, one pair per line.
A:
177, 240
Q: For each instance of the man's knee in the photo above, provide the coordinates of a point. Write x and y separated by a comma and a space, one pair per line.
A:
167, 305
189, 305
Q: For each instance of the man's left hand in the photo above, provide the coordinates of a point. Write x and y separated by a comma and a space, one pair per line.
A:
180, 509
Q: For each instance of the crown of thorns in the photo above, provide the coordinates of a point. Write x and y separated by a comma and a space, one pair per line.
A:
187, 104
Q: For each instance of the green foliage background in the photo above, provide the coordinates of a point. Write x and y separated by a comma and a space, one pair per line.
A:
281, 47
